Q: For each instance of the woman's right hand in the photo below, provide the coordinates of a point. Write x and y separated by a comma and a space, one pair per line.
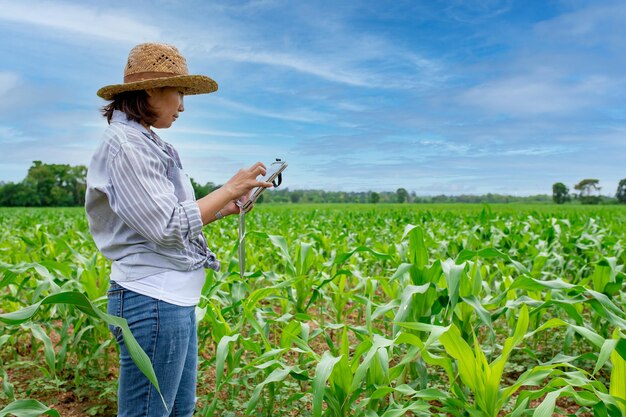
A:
245, 180
223, 199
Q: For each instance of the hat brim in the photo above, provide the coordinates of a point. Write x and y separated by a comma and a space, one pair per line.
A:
191, 84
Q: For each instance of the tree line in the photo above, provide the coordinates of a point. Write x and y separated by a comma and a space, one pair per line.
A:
588, 192
47, 185
64, 185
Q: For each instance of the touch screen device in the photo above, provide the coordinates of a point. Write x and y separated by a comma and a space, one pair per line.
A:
273, 175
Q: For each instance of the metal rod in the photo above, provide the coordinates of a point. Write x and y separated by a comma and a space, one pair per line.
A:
242, 242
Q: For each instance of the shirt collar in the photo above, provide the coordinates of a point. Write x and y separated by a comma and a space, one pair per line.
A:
121, 117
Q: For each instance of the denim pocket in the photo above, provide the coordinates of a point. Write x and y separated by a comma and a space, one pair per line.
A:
115, 297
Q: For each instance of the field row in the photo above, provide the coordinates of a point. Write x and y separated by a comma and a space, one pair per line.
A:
346, 311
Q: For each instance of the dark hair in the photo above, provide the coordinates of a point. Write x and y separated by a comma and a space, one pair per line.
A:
134, 104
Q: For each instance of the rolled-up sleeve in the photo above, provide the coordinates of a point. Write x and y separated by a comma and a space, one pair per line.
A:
145, 199
193, 217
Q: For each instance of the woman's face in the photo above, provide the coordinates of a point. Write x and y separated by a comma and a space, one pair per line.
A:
167, 103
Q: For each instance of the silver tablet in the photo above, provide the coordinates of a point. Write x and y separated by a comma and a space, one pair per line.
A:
270, 176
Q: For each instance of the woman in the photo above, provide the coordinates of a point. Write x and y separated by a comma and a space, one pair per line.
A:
144, 217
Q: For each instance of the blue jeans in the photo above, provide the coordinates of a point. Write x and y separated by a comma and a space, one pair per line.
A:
167, 333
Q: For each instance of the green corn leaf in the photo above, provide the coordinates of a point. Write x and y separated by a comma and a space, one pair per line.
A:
590, 335
605, 352
532, 377
365, 365
459, 349
257, 295
520, 408
617, 387
382, 357
614, 311
341, 378
429, 394
322, 373
4, 338
407, 297
304, 259
487, 253
604, 273
48, 349
342, 257
251, 318
444, 362
418, 252
480, 310
7, 387
20, 316
453, 274
402, 269
621, 348
277, 375
416, 408
281, 243
28, 408
381, 393
434, 331
381, 310
546, 408
220, 357
283, 249
80, 301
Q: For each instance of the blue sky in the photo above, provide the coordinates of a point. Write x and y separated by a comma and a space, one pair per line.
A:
437, 97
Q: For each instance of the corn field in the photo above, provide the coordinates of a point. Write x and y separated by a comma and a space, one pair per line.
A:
344, 310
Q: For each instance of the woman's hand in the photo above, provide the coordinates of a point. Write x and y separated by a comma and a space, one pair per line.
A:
222, 202
233, 208
245, 180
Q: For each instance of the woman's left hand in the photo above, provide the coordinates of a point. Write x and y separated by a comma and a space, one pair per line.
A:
233, 208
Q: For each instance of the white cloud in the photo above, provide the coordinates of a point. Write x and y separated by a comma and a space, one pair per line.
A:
104, 22
371, 66
535, 94
9, 134
296, 115
298, 63
476, 11
212, 132
539, 151
598, 22
219, 148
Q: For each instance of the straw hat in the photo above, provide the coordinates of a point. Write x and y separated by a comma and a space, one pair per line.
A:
153, 65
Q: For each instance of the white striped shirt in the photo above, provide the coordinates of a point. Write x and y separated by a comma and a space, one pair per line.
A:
141, 207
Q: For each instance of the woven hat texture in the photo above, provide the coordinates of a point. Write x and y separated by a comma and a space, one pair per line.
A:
152, 65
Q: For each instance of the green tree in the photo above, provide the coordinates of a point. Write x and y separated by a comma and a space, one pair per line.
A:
560, 193
47, 185
621, 191
41, 178
18, 195
56, 184
374, 198
402, 195
202, 190
587, 188
295, 196
78, 183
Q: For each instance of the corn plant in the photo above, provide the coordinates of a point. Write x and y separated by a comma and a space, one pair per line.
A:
352, 310
85, 305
